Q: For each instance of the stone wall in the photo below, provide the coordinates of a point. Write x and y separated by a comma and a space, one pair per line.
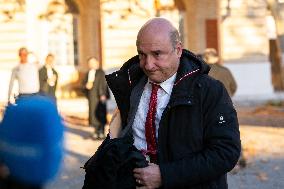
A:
244, 32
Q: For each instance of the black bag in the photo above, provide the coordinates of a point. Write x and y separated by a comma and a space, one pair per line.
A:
111, 167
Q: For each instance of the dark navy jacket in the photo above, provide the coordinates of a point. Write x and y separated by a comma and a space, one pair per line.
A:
199, 139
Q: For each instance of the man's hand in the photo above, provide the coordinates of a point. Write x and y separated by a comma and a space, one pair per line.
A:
89, 85
149, 177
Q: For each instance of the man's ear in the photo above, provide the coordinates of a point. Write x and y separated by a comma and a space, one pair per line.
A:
179, 49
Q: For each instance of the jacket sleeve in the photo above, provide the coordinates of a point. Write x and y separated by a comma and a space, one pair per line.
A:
221, 142
56, 75
42, 79
102, 84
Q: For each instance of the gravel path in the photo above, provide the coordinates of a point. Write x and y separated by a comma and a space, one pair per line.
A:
79, 146
264, 150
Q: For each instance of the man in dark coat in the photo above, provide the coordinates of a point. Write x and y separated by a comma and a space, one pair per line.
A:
96, 91
196, 133
48, 77
220, 72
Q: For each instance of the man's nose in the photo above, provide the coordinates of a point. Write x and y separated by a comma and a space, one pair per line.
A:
149, 62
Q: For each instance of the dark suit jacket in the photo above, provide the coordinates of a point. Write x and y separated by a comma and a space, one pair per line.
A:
44, 86
99, 88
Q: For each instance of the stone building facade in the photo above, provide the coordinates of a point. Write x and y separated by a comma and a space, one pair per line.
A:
107, 30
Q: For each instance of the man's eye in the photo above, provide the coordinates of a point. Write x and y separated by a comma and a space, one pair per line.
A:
141, 55
156, 54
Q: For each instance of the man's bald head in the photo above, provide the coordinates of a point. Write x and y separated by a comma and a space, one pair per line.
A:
159, 26
159, 49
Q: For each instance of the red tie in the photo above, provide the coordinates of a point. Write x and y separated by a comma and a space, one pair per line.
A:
150, 129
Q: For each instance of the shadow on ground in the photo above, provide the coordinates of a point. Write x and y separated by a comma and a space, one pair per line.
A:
264, 115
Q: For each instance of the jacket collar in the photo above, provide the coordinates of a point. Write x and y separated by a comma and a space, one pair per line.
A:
190, 66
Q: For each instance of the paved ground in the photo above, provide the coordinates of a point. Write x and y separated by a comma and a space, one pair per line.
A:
263, 148
262, 133
79, 147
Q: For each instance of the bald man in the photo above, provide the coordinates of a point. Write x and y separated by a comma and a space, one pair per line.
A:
182, 120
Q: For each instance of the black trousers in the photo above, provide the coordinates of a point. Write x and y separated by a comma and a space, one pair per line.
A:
101, 113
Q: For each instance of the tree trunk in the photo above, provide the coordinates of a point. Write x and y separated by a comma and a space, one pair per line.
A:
275, 52
276, 67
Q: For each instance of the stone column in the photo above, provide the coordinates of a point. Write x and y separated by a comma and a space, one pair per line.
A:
89, 31
202, 25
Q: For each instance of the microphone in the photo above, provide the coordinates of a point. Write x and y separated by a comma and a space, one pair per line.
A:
31, 139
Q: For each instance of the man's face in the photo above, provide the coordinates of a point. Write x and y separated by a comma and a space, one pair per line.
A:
49, 60
23, 54
158, 58
93, 63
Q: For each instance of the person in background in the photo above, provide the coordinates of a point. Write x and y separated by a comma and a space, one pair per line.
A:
96, 91
219, 71
48, 77
223, 74
26, 75
181, 119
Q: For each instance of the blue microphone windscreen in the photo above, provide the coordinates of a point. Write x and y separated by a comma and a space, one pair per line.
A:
31, 139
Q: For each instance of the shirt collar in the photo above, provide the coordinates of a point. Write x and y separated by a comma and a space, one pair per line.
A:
168, 84
48, 66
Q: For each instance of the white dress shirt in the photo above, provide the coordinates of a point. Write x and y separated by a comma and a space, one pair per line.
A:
50, 76
91, 75
138, 126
